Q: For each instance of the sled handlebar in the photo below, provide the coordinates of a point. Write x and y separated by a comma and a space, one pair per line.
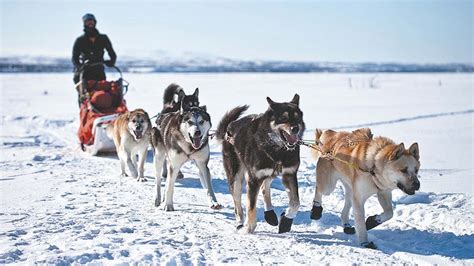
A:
81, 86
86, 65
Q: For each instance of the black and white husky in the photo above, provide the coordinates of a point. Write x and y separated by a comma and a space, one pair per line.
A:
175, 98
261, 147
179, 137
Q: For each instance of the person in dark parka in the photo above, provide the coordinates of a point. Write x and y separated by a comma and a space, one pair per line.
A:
90, 47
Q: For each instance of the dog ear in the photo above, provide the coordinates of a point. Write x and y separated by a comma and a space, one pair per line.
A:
181, 107
196, 93
147, 117
271, 103
415, 151
181, 95
296, 99
398, 152
318, 134
203, 108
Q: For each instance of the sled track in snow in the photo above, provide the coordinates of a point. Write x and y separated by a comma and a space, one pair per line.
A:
406, 119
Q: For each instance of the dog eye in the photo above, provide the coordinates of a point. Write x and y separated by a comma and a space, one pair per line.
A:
201, 122
190, 123
134, 121
404, 170
283, 119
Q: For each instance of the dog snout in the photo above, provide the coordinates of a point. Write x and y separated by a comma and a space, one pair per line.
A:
416, 184
197, 133
295, 130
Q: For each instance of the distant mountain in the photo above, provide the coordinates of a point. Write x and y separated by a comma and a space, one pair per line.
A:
205, 63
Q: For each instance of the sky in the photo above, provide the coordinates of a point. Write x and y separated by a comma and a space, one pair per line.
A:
335, 31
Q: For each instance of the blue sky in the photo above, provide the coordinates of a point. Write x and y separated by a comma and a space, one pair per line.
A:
343, 31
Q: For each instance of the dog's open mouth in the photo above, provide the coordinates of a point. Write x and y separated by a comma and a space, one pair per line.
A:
138, 134
196, 142
404, 189
291, 140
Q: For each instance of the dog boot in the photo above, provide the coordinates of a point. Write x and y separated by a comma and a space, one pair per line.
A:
372, 221
348, 229
370, 245
316, 212
271, 217
285, 224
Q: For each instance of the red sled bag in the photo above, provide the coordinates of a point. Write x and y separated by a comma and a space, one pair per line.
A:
105, 98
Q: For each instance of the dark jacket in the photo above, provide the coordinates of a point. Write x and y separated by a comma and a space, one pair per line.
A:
85, 49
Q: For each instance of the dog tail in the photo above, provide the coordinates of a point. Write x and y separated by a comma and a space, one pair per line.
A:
317, 134
228, 118
170, 92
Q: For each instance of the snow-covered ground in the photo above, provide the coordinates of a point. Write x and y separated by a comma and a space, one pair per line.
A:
59, 205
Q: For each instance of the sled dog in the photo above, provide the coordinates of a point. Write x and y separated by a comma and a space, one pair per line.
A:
174, 97
261, 147
369, 166
131, 135
179, 137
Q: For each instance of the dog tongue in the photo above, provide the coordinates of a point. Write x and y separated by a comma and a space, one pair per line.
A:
292, 139
138, 134
196, 143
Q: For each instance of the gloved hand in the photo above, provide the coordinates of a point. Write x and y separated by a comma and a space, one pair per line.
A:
109, 63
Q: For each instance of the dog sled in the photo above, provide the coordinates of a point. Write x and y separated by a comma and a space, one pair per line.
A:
101, 102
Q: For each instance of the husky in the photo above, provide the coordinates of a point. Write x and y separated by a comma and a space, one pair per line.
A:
173, 99
182, 136
131, 135
261, 147
371, 166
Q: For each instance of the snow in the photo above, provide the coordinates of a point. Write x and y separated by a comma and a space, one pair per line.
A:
59, 205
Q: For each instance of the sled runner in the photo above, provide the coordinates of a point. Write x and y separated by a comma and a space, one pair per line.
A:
101, 102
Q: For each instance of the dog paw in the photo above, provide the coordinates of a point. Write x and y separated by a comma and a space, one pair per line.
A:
180, 175
168, 207
271, 217
372, 221
348, 229
216, 206
251, 228
285, 224
141, 179
370, 245
316, 212
157, 201
123, 175
240, 226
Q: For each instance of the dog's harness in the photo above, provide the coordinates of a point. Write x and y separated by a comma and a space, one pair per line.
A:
278, 165
329, 155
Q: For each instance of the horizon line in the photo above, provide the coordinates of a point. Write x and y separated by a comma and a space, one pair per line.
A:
177, 57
